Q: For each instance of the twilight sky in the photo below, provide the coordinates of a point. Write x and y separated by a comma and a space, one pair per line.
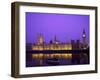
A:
65, 27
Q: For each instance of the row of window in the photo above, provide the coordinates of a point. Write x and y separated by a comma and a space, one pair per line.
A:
53, 47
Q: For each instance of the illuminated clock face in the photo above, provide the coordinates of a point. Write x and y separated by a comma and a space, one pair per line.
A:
84, 35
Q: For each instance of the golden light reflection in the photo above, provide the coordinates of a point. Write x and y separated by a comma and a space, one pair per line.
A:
58, 55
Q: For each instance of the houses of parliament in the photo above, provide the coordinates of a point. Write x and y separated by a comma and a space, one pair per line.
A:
57, 45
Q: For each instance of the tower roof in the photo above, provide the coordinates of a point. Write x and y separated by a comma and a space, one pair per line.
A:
83, 31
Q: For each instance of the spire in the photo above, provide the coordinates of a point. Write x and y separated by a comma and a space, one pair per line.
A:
40, 39
55, 39
83, 31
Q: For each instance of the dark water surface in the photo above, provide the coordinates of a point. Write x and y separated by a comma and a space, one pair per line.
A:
33, 60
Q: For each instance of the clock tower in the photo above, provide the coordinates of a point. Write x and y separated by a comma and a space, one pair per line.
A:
84, 39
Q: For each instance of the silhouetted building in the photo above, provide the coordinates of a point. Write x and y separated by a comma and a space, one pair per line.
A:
28, 55
29, 46
73, 44
77, 45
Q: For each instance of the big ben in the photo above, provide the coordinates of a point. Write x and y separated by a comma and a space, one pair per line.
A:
84, 40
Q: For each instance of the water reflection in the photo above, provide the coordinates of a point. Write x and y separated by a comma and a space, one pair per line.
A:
40, 59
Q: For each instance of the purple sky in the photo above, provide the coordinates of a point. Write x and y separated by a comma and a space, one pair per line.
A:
64, 26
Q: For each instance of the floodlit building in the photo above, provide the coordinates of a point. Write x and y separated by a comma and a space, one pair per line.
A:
53, 45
